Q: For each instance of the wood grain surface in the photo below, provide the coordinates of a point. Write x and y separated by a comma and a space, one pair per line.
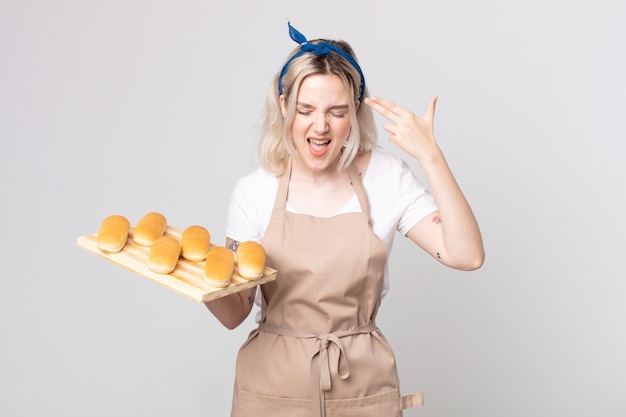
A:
188, 277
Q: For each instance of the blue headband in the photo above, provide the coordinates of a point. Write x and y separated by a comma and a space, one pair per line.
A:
322, 48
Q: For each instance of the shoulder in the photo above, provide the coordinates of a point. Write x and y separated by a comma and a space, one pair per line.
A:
382, 159
251, 205
395, 190
384, 167
255, 181
254, 193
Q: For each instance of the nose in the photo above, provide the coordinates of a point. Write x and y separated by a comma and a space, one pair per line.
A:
320, 124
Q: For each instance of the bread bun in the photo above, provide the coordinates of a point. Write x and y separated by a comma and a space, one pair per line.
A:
149, 228
195, 243
250, 260
164, 254
219, 266
113, 233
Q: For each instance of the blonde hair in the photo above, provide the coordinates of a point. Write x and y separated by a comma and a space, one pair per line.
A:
275, 146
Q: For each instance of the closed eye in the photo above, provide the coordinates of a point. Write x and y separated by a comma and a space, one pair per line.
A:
338, 112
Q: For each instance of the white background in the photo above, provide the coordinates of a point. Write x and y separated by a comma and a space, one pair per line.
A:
135, 106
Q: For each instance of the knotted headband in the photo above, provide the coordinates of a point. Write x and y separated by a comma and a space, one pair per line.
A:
319, 49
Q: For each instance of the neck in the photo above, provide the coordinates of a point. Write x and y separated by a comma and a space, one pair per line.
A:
302, 172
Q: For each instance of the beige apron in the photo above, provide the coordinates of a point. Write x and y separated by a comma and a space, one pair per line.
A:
317, 351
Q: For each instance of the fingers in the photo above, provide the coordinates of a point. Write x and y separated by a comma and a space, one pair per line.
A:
386, 108
393, 112
430, 113
391, 128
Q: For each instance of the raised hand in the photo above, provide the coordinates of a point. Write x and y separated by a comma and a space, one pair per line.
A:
455, 239
413, 134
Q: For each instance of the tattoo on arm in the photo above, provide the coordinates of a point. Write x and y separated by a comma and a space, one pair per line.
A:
436, 220
233, 245
252, 296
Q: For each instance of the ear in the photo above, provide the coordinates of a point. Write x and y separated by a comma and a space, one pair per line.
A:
283, 105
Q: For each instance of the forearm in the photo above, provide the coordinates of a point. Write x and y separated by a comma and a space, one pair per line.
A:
233, 309
460, 234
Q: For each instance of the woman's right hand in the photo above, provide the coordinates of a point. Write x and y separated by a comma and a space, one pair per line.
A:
233, 309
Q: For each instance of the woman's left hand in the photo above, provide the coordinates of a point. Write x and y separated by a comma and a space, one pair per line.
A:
413, 134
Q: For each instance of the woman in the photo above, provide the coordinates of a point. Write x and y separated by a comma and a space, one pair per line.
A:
326, 204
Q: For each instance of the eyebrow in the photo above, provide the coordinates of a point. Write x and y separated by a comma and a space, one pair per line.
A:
337, 107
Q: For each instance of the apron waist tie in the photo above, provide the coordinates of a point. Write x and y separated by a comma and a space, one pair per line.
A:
320, 361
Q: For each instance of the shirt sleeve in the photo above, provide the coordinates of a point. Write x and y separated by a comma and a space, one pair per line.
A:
414, 197
250, 207
242, 219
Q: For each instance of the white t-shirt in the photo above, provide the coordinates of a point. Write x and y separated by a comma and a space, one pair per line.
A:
398, 201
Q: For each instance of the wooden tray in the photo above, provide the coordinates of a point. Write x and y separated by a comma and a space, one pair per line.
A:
188, 277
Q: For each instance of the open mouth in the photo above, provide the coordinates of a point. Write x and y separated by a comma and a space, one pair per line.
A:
318, 147
318, 141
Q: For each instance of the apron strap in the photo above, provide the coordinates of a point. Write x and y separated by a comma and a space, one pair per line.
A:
412, 400
320, 361
355, 179
283, 187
